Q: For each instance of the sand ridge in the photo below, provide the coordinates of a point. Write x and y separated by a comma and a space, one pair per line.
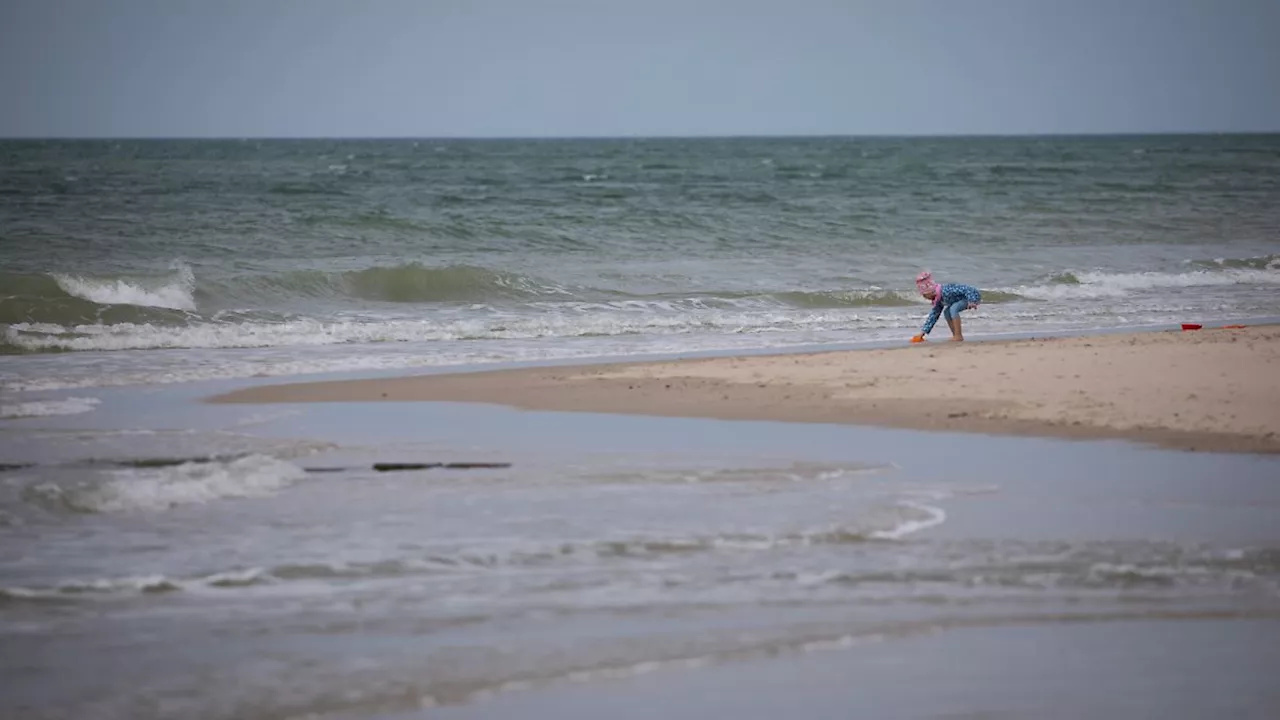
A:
1214, 389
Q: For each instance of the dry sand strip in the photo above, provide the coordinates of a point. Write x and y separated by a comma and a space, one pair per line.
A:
1213, 389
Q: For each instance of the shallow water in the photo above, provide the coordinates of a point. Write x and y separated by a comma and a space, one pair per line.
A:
1109, 667
247, 586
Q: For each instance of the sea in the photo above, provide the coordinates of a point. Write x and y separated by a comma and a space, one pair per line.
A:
164, 557
125, 262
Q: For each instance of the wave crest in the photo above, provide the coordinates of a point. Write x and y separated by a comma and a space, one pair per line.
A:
1264, 262
175, 292
44, 408
414, 282
845, 299
141, 489
1097, 284
64, 299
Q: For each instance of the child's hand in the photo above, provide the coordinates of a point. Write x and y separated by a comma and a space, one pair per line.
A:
917, 338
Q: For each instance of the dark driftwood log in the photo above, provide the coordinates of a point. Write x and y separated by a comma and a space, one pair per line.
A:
388, 467
476, 465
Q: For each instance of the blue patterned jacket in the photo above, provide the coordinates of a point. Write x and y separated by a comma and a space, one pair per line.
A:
950, 294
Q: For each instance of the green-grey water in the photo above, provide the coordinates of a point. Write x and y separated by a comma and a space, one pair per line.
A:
330, 255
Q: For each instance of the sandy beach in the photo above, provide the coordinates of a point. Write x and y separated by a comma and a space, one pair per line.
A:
1213, 389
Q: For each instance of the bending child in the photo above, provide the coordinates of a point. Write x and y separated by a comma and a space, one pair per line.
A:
948, 301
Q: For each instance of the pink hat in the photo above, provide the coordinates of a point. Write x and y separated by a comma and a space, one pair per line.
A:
925, 283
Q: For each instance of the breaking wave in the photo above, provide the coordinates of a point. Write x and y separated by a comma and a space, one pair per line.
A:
76, 299
566, 319
1034, 567
175, 292
413, 302
843, 299
1264, 262
142, 489
457, 283
45, 408
460, 560
1101, 285
64, 299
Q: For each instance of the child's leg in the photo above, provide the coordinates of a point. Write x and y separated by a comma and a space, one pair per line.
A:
953, 319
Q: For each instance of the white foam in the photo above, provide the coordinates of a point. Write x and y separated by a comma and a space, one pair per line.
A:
170, 374
44, 408
690, 324
1113, 285
1273, 262
932, 516
1159, 572
134, 336
176, 293
302, 346
22, 593
843, 642
235, 578
163, 488
142, 583
155, 583
671, 320
579, 321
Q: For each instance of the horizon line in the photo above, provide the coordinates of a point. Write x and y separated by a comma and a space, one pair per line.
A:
729, 136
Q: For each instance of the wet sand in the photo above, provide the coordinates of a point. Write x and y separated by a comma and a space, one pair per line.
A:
1213, 389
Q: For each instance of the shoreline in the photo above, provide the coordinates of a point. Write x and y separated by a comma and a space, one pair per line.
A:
1208, 390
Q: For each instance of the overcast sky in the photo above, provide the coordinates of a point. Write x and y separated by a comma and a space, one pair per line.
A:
302, 68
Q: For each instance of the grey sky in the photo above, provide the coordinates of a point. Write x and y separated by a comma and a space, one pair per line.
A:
240, 68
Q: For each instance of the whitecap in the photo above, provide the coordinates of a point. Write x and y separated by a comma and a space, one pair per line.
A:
44, 408
175, 293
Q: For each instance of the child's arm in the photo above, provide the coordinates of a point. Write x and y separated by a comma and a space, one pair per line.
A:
933, 318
